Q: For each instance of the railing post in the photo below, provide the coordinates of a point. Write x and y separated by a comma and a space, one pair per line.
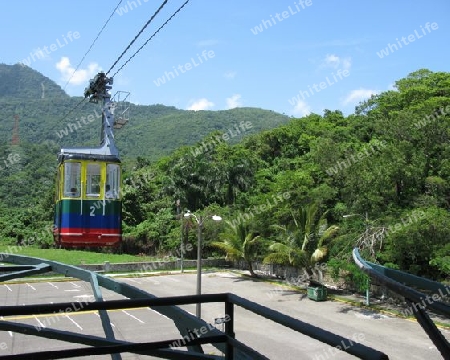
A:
229, 328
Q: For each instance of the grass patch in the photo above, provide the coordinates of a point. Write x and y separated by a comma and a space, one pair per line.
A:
74, 257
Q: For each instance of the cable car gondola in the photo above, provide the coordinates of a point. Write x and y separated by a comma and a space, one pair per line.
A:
88, 186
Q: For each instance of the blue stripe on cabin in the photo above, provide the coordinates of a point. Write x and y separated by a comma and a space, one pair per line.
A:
86, 221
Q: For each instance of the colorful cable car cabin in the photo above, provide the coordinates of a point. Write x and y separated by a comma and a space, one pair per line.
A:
88, 187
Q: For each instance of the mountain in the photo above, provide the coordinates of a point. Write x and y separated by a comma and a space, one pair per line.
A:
152, 131
22, 82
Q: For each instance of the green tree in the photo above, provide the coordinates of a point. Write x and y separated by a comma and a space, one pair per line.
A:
304, 240
240, 243
419, 243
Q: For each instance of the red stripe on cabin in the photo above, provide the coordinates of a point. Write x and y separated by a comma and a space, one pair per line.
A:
89, 231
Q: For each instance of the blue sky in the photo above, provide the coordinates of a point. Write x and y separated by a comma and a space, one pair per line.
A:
290, 56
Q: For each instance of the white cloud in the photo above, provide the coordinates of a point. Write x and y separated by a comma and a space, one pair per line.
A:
230, 74
81, 76
356, 96
200, 104
346, 63
301, 109
209, 42
334, 61
331, 60
234, 101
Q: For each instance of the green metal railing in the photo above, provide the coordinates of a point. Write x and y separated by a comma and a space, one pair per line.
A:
225, 340
408, 286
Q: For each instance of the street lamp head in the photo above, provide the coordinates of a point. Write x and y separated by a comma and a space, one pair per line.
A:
188, 214
366, 218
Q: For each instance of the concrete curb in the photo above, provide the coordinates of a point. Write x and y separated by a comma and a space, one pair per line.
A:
342, 299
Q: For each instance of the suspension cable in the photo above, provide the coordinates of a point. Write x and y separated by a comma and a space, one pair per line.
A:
71, 110
138, 34
98, 35
153, 35
129, 45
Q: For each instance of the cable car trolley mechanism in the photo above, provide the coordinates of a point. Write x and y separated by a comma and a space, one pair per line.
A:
88, 186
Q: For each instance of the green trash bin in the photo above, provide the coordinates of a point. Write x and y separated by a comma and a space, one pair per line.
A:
316, 291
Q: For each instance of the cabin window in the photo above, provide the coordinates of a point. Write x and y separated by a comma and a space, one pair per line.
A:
72, 179
112, 187
93, 180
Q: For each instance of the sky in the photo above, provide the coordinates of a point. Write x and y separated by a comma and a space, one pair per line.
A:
291, 56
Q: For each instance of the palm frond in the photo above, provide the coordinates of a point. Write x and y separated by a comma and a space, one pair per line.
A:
329, 233
277, 258
298, 258
319, 254
232, 252
278, 247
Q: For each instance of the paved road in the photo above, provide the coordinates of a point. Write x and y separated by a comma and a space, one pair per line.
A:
398, 338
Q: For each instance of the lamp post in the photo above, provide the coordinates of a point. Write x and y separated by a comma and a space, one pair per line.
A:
366, 224
199, 221
178, 203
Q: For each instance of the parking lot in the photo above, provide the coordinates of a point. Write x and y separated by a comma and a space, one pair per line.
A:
396, 337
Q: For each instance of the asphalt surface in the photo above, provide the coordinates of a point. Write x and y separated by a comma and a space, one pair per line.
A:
398, 338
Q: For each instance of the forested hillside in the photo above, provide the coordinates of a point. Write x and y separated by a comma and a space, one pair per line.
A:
152, 131
27, 170
313, 189
305, 192
22, 82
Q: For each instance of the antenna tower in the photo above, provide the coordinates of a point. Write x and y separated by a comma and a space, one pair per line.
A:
15, 133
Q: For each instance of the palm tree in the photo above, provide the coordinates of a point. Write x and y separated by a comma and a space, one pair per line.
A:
287, 251
303, 243
325, 234
239, 243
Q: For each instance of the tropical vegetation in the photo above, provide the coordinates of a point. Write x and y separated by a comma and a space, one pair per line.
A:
387, 164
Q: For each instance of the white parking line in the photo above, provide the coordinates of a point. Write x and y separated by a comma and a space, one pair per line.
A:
135, 281
87, 297
134, 317
98, 315
73, 290
158, 313
372, 315
31, 286
41, 324
52, 285
75, 285
9, 332
8, 287
73, 321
